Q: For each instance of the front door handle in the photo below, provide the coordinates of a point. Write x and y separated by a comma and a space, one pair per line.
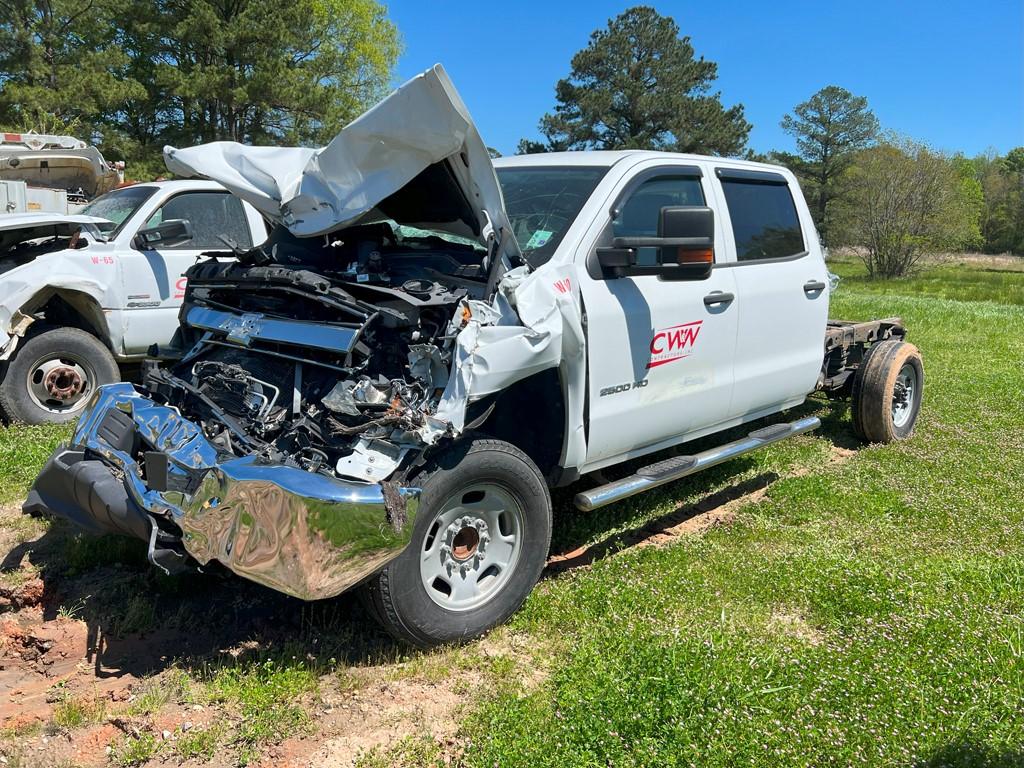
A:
814, 286
717, 298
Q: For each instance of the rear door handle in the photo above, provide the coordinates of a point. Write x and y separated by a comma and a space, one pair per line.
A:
717, 298
814, 286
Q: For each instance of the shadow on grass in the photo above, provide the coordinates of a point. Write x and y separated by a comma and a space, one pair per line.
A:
582, 555
575, 530
141, 622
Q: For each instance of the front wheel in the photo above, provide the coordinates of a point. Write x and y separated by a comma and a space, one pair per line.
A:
479, 545
53, 374
887, 390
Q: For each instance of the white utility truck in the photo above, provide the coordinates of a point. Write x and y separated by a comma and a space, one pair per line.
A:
382, 395
82, 295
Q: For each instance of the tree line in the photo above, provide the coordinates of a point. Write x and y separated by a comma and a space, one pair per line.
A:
639, 85
133, 75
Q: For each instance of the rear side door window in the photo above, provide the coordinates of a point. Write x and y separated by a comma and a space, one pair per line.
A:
211, 214
765, 224
639, 215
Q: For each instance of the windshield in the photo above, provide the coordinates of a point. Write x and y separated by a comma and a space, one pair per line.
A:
118, 206
543, 201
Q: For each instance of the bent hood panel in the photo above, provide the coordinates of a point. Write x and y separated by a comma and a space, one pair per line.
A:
421, 133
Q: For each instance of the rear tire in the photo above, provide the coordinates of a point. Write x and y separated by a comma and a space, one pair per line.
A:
478, 547
53, 374
887, 390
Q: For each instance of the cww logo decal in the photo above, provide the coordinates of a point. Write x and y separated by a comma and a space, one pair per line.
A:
673, 343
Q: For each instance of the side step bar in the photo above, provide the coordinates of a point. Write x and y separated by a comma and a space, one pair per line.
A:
680, 466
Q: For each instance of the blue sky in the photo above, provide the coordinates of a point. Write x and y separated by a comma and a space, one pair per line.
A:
948, 73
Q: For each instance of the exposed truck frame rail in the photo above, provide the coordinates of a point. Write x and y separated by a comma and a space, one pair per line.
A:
845, 345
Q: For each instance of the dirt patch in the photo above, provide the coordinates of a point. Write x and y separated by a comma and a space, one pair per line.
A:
88, 620
795, 625
382, 715
837, 454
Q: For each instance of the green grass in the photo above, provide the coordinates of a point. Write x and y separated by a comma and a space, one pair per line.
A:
869, 612
962, 280
74, 712
267, 697
135, 750
199, 743
23, 451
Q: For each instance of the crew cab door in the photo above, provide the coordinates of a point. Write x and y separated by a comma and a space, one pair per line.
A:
660, 353
781, 290
153, 281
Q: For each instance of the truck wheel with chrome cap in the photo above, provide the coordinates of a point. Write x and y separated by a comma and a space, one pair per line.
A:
53, 374
480, 543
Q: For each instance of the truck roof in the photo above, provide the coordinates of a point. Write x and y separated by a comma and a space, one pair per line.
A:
611, 157
175, 185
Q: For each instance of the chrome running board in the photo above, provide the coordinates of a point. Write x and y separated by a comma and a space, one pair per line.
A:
678, 467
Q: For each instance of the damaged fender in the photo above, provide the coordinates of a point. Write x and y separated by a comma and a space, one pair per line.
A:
533, 324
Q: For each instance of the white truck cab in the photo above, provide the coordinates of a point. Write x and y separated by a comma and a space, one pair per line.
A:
673, 360
81, 295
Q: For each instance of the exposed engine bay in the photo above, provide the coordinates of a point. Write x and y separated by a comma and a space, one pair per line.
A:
328, 354
388, 312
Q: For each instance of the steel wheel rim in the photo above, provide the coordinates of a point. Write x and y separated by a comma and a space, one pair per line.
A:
903, 393
58, 384
471, 547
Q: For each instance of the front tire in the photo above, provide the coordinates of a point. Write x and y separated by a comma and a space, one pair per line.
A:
887, 390
53, 374
478, 547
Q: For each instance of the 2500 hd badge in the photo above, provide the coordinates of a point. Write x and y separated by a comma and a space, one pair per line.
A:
623, 388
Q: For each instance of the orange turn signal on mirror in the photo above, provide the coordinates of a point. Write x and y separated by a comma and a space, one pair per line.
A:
703, 256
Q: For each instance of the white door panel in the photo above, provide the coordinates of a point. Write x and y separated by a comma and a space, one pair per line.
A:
660, 359
781, 332
775, 255
154, 285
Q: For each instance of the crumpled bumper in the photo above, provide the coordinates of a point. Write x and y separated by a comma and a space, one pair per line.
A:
139, 468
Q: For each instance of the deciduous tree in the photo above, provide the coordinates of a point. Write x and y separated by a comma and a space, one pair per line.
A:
904, 201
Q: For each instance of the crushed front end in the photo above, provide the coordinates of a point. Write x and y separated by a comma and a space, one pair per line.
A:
139, 468
318, 369
276, 445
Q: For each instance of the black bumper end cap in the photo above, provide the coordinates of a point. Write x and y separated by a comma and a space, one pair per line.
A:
85, 492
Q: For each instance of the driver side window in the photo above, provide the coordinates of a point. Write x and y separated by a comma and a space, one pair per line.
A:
638, 217
212, 214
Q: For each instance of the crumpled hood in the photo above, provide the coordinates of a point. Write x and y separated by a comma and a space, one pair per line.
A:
415, 157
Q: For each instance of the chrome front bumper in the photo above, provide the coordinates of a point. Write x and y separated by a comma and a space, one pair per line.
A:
302, 533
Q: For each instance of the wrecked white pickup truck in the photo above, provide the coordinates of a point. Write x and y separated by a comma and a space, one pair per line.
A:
83, 296
382, 394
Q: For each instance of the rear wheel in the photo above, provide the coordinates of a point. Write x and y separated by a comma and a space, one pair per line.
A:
887, 390
53, 375
479, 545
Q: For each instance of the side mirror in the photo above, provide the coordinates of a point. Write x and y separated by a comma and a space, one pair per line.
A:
163, 235
689, 235
685, 243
